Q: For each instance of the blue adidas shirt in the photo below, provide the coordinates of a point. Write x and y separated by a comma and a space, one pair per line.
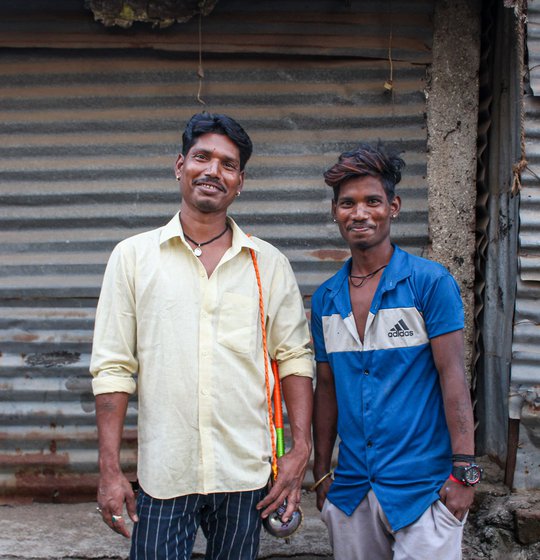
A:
391, 422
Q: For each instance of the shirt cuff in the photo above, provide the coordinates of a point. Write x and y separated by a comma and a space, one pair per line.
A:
106, 383
303, 367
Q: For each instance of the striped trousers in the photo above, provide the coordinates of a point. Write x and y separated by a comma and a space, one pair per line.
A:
166, 528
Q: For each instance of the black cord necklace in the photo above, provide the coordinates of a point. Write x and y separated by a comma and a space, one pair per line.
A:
364, 279
198, 251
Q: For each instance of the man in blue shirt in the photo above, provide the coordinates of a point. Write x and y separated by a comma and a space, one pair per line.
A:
388, 336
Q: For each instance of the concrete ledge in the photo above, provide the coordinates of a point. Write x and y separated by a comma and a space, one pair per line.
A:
75, 531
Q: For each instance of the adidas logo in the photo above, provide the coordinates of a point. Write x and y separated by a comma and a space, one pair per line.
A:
400, 329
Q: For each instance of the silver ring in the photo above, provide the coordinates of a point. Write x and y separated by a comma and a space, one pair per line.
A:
98, 509
116, 518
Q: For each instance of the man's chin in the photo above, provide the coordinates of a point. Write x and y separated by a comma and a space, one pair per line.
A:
208, 206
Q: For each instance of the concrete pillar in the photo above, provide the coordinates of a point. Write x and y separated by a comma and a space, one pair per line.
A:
452, 117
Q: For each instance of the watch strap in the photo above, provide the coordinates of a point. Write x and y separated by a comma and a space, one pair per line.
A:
456, 480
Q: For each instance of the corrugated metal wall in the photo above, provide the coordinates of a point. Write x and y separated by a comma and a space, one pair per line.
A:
496, 227
88, 139
525, 378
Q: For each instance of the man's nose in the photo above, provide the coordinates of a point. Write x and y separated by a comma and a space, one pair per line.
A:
212, 168
360, 211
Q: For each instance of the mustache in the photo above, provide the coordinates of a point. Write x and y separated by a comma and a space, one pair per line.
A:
359, 223
209, 181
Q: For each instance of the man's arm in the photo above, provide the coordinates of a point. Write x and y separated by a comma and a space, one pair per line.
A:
113, 488
448, 355
325, 416
298, 396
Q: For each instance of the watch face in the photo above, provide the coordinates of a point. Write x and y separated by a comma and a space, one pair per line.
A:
473, 474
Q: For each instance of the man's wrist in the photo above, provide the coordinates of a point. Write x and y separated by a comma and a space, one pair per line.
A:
320, 480
463, 458
301, 447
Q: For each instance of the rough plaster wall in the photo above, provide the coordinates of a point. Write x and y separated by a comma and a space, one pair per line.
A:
452, 117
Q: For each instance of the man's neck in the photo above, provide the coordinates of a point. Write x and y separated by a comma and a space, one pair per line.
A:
202, 225
365, 261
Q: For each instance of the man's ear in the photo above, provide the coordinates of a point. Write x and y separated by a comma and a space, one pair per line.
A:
240, 181
395, 205
178, 166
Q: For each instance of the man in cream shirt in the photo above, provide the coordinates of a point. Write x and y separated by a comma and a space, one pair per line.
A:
178, 322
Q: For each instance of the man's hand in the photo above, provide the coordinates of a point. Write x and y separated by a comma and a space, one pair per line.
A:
288, 486
113, 492
298, 395
457, 498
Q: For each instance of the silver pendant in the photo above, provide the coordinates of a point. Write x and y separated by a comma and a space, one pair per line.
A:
197, 251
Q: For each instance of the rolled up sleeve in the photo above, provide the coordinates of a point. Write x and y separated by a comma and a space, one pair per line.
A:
114, 357
288, 331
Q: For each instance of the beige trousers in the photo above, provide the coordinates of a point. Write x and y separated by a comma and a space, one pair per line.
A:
366, 534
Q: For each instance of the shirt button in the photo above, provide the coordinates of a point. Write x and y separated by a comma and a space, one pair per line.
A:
204, 391
370, 443
366, 372
372, 479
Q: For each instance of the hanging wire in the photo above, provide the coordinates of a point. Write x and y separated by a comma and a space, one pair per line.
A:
200, 70
389, 84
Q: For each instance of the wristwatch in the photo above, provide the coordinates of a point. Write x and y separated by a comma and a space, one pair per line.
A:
470, 475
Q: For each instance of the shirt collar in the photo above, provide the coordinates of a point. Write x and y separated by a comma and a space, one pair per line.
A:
240, 239
397, 270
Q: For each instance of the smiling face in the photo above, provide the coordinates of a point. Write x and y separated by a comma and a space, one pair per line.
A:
363, 213
209, 174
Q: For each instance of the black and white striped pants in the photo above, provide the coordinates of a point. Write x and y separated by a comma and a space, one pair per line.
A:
166, 528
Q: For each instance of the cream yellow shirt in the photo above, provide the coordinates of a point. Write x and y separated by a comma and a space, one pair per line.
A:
191, 347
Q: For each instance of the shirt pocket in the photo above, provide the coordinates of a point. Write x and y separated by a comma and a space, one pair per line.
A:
237, 323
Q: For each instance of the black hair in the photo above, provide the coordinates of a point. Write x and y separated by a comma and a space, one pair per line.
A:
366, 159
205, 123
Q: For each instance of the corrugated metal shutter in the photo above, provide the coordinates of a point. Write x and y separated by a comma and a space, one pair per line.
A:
525, 378
88, 143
